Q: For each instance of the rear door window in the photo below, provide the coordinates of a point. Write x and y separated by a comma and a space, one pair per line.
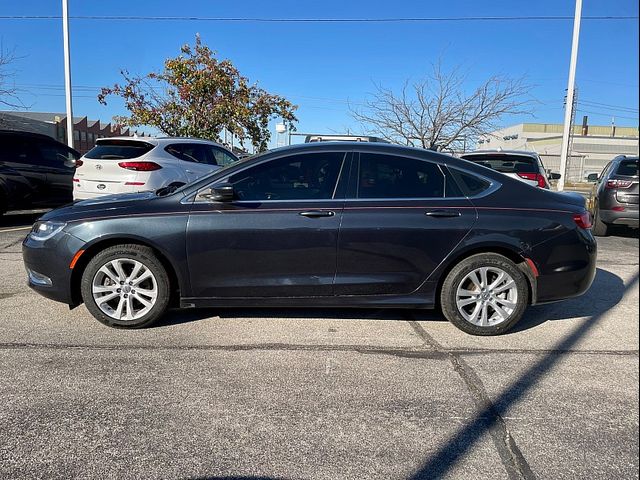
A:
387, 176
193, 152
628, 168
119, 150
506, 163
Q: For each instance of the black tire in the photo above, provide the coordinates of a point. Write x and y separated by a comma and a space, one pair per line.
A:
600, 229
133, 252
459, 273
3, 202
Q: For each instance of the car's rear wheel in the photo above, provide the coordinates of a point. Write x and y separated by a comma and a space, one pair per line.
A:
600, 229
485, 294
126, 286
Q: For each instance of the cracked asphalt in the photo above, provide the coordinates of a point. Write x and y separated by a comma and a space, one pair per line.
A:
320, 394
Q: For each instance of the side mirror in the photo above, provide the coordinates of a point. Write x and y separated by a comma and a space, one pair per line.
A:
593, 177
217, 193
554, 176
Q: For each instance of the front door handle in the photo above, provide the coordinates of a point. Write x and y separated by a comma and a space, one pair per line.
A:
442, 213
317, 213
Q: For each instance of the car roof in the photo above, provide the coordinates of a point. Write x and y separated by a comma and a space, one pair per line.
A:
163, 141
373, 147
39, 136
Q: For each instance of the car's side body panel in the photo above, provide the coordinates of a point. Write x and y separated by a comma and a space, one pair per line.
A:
386, 253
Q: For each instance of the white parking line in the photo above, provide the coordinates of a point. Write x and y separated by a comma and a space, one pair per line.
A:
14, 229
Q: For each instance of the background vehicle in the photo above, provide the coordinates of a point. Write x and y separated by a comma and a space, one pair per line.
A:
126, 164
615, 195
36, 171
342, 138
525, 166
325, 224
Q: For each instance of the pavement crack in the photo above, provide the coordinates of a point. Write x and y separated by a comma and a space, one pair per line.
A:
512, 458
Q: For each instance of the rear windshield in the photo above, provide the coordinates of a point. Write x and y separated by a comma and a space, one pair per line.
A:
119, 149
628, 168
506, 163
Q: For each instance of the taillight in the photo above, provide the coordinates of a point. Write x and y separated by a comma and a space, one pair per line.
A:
79, 163
76, 180
536, 177
583, 220
140, 166
613, 184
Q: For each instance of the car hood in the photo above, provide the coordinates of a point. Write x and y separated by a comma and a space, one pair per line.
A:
113, 204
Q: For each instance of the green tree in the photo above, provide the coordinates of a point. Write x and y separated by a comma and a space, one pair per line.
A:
198, 95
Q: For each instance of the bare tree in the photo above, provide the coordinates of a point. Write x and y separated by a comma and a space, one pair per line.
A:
437, 114
8, 90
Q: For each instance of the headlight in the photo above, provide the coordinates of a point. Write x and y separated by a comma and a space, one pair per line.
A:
42, 231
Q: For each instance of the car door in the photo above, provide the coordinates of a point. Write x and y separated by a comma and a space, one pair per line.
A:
195, 159
59, 162
278, 237
24, 178
402, 217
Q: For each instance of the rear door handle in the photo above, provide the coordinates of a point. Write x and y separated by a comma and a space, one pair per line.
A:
317, 213
443, 213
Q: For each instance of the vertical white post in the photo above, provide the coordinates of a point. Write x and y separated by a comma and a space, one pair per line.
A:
570, 91
67, 72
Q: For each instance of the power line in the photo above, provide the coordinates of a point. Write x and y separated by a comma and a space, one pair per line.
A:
318, 20
609, 106
608, 114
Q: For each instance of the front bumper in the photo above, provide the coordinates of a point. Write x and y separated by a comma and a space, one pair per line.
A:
47, 264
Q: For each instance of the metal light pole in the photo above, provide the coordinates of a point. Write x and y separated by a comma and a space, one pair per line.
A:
67, 72
570, 92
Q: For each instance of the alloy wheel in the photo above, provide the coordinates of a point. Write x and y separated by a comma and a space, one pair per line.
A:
487, 296
124, 289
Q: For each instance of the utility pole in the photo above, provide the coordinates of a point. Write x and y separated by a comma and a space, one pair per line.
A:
568, 111
67, 72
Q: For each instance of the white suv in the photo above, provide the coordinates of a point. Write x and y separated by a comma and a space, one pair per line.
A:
524, 166
130, 164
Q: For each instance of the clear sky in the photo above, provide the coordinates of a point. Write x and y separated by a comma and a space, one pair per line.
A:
322, 66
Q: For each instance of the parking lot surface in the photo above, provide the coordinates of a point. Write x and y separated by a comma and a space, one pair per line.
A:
320, 394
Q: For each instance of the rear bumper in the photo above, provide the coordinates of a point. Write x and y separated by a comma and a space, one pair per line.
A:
627, 217
47, 265
79, 194
568, 266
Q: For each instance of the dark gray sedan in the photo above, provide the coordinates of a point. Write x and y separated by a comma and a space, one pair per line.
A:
326, 224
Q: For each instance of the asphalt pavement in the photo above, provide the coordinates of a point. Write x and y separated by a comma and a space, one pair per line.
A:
320, 394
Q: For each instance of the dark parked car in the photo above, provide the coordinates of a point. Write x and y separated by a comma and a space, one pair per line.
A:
324, 224
35, 171
615, 195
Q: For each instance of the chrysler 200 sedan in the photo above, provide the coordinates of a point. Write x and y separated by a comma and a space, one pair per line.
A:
327, 224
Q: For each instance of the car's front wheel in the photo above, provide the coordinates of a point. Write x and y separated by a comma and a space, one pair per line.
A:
126, 286
485, 294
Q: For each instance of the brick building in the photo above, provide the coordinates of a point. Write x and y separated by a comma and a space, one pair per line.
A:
85, 131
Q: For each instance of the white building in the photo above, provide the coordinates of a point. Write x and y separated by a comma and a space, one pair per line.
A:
591, 149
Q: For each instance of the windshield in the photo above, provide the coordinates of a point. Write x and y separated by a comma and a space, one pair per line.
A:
119, 150
506, 163
628, 168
